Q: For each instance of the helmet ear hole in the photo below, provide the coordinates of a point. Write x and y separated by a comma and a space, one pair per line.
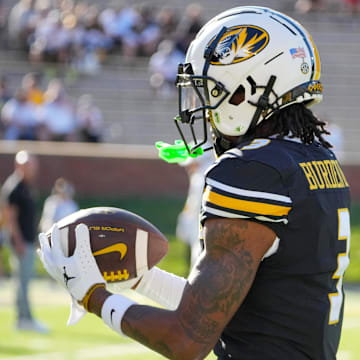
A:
238, 96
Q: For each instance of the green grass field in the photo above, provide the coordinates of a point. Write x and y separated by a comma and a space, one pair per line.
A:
90, 339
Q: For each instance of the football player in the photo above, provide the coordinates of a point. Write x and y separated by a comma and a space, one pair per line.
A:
275, 209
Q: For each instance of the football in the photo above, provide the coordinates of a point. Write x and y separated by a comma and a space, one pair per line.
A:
124, 244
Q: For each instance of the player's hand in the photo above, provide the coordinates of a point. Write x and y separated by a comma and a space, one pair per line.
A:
79, 273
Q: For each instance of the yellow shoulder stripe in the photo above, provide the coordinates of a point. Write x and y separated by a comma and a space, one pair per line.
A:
244, 205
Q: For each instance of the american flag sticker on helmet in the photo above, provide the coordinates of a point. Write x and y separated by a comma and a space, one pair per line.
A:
298, 53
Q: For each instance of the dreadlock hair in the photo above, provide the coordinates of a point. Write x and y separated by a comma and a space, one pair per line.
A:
295, 121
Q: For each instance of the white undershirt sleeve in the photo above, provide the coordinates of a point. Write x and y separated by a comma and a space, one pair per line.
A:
162, 287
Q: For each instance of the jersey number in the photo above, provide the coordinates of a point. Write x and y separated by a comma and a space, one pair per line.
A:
256, 144
336, 298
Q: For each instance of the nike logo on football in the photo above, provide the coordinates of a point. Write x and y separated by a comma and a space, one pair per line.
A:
111, 314
120, 247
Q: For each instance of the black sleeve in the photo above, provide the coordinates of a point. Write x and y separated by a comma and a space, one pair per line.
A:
245, 189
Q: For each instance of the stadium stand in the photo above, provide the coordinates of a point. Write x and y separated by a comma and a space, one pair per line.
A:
134, 115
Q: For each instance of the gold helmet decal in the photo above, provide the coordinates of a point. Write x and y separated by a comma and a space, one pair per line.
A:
239, 43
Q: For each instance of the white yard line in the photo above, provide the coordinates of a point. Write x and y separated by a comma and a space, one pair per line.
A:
102, 352
46, 292
112, 351
351, 323
344, 355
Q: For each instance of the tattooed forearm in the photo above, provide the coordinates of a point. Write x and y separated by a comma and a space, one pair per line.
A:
163, 348
145, 315
133, 316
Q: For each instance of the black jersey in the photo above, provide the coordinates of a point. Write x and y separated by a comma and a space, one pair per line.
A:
16, 192
294, 308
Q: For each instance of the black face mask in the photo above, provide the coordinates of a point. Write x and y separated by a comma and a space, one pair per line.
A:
194, 106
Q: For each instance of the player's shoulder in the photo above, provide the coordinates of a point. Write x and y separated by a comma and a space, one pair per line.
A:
257, 165
273, 152
260, 155
247, 186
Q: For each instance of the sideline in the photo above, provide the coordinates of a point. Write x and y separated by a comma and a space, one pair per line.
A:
107, 150
110, 150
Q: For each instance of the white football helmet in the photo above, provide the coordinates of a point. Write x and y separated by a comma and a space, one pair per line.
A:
243, 65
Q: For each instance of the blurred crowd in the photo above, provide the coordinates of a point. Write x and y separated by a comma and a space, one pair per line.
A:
345, 6
34, 113
83, 34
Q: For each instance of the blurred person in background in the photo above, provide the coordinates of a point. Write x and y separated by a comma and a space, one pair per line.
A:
19, 216
19, 118
73, 22
119, 22
5, 92
353, 6
3, 20
144, 35
3, 241
336, 139
90, 119
168, 20
187, 227
5, 96
31, 85
57, 114
41, 27
19, 25
305, 6
51, 41
163, 67
189, 25
59, 204
96, 43
107, 19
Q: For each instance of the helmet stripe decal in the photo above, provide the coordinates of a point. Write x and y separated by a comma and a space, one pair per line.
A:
317, 60
309, 47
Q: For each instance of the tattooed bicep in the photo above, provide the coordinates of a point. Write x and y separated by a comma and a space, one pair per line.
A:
237, 235
223, 275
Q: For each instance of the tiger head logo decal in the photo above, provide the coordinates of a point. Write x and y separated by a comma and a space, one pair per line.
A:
239, 43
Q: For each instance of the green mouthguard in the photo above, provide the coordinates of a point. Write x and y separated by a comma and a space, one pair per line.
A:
176, 153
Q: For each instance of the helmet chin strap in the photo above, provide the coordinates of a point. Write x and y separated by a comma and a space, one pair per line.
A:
262, 104
221, 144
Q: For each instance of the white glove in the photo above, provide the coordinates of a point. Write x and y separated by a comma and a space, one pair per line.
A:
77, 312
77, 273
